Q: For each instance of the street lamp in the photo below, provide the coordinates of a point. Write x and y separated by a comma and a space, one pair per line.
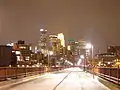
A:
82, 57
90, 46
49, 54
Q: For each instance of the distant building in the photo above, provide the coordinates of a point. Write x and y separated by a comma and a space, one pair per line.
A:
5, 55
77, 47
71, 46
114, 50
72, 51
106, 59
109, 59
42, 44
55, 45
22, 52
53, 42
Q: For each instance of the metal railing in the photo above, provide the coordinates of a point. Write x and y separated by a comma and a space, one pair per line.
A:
108, 73
18, 72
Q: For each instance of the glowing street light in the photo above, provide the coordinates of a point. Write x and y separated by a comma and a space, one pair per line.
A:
51, 53
83, 58
88, 45
79, 62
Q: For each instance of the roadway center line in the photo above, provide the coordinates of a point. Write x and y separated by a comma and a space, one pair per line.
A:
61, 81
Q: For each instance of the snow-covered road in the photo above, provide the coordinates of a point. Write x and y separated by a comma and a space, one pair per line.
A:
69, 79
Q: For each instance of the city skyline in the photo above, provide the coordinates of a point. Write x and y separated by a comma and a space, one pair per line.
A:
94, 20
59, 44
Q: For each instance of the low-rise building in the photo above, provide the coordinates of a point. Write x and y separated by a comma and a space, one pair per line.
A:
22, 51
6, 56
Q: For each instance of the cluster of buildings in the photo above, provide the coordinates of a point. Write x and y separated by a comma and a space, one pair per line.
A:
111, 58
22, 54
80, 52
16, 54
52, 50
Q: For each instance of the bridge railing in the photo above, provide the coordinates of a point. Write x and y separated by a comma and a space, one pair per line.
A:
109, 73
17, 72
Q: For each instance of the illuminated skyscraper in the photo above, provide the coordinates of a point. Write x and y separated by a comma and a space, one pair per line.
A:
42, 46
62, 39
53, 42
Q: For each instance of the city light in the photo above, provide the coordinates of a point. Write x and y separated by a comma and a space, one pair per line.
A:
13, 51
109, 62
18, 58
88, 45
61, 58
41, 30
99, 64
82, 57
79, 61
18, 52
22, 47
50, 52
68, 47
30, 48
10, 44
36, 49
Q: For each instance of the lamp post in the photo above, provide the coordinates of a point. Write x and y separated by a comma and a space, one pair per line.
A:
90, 47
82, 57
49, 54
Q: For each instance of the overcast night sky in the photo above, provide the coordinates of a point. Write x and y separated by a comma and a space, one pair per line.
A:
97, 21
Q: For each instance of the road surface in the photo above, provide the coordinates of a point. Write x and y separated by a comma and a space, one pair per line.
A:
69, 79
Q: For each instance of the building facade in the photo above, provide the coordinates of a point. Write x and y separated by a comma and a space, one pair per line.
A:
42, 44
22, 52
6, 56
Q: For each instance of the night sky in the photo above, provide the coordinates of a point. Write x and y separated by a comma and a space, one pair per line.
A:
97, 21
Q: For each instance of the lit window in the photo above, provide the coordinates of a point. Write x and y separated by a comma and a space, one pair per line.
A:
18, 58
17, 52
27, 58
30, 48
